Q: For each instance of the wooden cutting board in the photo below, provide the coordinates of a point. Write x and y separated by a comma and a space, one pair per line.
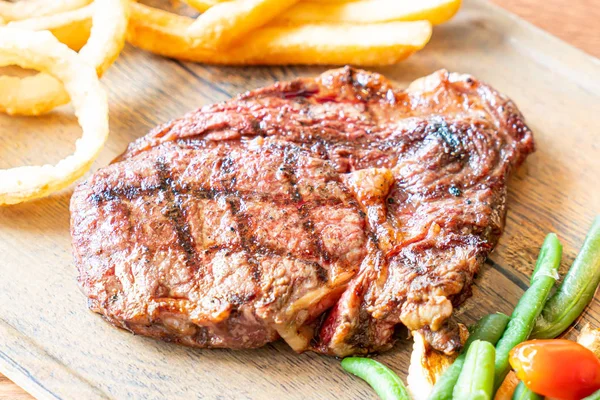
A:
54, 348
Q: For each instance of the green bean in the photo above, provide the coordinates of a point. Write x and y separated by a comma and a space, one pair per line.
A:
576, 291
530, 305
522, 392
488, 328
476, 380
593, 396
383, 380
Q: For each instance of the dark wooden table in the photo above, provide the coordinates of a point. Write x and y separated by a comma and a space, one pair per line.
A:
574, 22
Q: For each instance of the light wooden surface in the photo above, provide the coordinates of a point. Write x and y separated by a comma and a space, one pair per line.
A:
52, 346
575, 22
8, 390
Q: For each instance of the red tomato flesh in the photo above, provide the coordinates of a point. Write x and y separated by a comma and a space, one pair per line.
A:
557, 368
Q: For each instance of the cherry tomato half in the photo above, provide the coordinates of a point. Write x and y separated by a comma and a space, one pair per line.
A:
557, 368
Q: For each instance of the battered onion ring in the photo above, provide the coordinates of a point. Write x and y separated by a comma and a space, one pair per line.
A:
70, 27
10, 11
42, 51
41, 93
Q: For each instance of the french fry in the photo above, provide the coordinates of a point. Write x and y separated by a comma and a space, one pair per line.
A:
165, 33
371, 11
202, 5
70, 27
225, 23
10, 11
358, 11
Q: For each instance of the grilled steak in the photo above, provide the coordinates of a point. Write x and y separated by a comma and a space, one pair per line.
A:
323, 211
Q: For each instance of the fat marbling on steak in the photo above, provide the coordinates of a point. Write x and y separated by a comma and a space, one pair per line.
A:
324, 211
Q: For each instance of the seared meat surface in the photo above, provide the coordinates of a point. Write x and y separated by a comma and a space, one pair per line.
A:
323, 211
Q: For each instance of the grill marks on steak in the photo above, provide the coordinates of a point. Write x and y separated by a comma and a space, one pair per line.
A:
325, 211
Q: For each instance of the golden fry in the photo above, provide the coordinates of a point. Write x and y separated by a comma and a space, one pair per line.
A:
10, 11
165, 33
358, 11
41, 93
42, 51
371, 11
225, 23
202, 5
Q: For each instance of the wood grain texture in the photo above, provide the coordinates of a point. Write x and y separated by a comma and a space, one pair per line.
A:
51, 345
9, 390
575, 22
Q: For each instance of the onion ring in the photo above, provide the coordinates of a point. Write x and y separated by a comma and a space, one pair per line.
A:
70, 27
10, 11
42, 51
41, 93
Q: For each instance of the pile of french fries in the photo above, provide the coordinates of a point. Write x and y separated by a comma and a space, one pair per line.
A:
234, 32
275, 32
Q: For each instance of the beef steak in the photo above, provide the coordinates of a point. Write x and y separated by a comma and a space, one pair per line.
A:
323, 211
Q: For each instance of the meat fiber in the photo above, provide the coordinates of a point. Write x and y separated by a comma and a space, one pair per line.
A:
327, 212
